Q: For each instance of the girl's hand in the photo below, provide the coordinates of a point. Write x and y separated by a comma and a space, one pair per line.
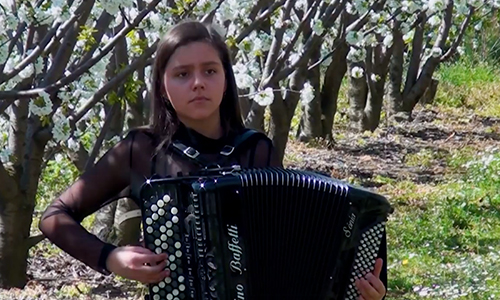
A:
372, 288
138, 263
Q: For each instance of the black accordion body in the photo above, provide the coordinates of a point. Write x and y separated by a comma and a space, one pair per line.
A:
267, 233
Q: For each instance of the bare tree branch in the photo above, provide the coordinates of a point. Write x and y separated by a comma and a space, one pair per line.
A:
305, 21
145, 59
263, 16
331, 14
458, 40
98, 143
13, 41
416, 52
101, 24
67, 45
5, 104
85, 67
33, 55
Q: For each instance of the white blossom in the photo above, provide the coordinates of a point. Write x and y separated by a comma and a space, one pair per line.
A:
354, 38
356, 54
243, 79
72, 144
46, 105
357, 72
388, 40
436, 5
61, 130
264, 97
307, 93
317, 27
5, 155
436, 52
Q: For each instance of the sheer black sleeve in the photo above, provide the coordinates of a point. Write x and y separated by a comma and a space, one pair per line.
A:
262, 154
60, 223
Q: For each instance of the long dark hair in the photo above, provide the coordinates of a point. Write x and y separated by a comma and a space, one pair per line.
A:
163, 120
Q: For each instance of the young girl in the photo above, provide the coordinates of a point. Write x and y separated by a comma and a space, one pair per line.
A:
195, 102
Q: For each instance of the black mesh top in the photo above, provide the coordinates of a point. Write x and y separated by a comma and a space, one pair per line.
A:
122, 170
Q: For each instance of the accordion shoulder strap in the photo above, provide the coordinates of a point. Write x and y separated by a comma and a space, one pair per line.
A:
226, 151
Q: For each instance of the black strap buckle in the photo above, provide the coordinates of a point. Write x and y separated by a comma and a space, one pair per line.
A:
191, 152
227, 150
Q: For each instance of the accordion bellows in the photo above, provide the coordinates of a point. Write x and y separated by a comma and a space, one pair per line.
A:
262, 234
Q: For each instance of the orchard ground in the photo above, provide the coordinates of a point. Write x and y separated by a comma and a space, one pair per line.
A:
440, 172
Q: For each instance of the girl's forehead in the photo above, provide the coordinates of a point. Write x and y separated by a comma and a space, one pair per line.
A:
196, 53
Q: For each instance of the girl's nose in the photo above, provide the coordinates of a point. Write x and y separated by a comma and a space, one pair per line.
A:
199, 81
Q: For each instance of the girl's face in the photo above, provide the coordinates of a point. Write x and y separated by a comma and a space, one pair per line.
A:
194, 81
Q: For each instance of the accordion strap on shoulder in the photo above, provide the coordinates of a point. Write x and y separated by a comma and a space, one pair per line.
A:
226, 151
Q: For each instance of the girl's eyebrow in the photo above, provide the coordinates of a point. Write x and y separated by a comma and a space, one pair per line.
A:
207, 63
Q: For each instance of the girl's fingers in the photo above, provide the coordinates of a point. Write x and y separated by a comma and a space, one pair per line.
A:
366, 290
378, 267
376, 283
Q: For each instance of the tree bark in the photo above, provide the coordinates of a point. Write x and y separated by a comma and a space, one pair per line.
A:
330, 92
310, 121
357, 94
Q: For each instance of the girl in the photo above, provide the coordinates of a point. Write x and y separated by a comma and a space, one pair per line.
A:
195, 102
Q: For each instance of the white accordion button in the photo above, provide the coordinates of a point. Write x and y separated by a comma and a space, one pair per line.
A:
149, 229
156, 297
170, 297
164, 246
171, 258
178, 253
156, 289
182, 287
169, 225
158, 250
166, 198
170, 232
154, 207
163, 228
175, 292
161, 212
155, 216
174, 210
149, 221
168, 280
160, 203
181, 278
175, 219
173, 267
178, 245
161, 284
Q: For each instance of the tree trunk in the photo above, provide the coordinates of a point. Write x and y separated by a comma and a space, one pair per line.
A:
373, 107
310, 121
255, 118
357, 95
331, 87
15, 223
393, 93
282, 111
430, 93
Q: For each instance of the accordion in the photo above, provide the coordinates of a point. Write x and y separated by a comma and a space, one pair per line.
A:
269, 233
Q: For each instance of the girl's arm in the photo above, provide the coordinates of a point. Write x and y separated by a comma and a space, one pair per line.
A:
60, 223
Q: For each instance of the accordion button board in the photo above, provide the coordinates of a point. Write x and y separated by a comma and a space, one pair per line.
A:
262, 234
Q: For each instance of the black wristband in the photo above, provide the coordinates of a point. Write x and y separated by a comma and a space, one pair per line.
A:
106, 250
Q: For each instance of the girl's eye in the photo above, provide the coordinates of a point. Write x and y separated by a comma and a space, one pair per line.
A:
181, 74
211, 71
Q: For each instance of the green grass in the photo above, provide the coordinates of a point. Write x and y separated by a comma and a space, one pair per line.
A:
471, 85
444, 240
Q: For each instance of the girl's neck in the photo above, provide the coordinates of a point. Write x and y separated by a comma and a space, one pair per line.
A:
210, 128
